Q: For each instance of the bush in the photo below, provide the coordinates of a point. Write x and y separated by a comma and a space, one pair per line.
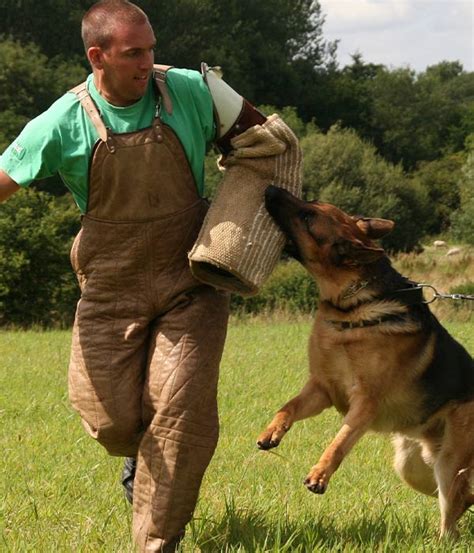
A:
441, 178
342, 169
37, 285
289, 288
462, 221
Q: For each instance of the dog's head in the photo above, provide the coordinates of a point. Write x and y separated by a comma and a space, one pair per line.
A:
323, 237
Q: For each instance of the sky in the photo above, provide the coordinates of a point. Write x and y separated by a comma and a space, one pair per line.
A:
401, 33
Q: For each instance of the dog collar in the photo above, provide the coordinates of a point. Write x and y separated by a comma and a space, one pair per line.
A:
408, 296
347, 325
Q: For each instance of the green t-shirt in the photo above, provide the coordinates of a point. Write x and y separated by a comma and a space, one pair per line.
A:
61, 139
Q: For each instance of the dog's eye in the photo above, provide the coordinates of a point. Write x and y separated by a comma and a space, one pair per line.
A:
306, 217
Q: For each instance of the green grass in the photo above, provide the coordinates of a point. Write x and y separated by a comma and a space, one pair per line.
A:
59, 490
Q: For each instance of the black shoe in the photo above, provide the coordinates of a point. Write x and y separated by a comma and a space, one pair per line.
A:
173, 545
128, 476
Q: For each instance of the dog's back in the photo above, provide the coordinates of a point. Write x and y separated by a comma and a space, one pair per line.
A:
449, 377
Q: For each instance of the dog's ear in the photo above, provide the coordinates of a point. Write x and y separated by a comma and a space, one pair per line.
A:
354, 252
374, 228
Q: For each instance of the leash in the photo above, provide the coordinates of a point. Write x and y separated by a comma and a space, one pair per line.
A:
437, 295
408, 296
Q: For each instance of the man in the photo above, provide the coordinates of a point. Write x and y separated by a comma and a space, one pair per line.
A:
148, 337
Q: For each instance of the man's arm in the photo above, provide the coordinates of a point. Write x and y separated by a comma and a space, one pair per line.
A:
7, 186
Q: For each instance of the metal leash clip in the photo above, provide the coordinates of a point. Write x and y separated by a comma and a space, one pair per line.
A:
437, 295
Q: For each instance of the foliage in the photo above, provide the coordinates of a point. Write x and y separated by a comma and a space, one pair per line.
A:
55, 28
289, 288
441, 178
274, 53
342, 169
241, 35
409, 117
29, 84
37, 286
420, 117
463, 219
345, 97
29, 81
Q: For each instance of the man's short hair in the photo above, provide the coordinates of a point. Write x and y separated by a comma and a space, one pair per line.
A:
99, 21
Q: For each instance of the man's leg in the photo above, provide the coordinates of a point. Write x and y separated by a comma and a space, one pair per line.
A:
180, 414
107, 371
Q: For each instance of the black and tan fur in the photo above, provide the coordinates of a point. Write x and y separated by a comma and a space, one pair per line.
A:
380, 357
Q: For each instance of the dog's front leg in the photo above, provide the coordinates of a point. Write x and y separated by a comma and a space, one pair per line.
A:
312, 399
359, 417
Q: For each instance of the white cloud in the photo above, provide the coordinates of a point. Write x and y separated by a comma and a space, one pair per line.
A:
350, 15
402, 32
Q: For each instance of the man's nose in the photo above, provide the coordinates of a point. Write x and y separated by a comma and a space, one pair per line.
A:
147, 60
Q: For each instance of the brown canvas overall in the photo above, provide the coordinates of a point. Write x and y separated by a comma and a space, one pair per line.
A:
148, 337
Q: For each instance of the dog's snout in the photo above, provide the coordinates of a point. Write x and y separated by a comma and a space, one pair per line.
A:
271, 192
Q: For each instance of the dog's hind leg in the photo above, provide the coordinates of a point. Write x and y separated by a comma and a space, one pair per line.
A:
312, 399
411, 467
454, 496
454, 471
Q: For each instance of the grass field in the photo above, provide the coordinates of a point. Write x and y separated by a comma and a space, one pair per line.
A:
60, 492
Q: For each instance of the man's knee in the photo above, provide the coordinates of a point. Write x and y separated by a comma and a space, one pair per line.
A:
119, 438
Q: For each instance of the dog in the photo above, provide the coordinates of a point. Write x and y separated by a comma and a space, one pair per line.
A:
380, 357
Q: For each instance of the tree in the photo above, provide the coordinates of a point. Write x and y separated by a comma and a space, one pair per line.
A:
29, 84
29, 81
37, 285
346, 98
463, 219
441, 179
54, 26
267, 49
421, 117
264, 48
342, 169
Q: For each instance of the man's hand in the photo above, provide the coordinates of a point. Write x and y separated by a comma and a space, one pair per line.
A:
7, 186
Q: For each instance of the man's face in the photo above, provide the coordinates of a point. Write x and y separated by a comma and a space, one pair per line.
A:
125, 66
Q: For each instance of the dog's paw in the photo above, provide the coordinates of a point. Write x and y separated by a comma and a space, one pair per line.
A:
316, 481
270, 438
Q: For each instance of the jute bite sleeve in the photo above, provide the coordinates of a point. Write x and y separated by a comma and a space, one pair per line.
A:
239, 244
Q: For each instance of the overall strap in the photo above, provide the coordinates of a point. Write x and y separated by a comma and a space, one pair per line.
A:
91, 109
159, 74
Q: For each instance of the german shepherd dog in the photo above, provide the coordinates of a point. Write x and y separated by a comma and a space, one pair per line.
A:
380, 357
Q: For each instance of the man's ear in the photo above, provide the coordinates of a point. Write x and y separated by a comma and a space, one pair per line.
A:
374, 228
354, 252
94, 55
